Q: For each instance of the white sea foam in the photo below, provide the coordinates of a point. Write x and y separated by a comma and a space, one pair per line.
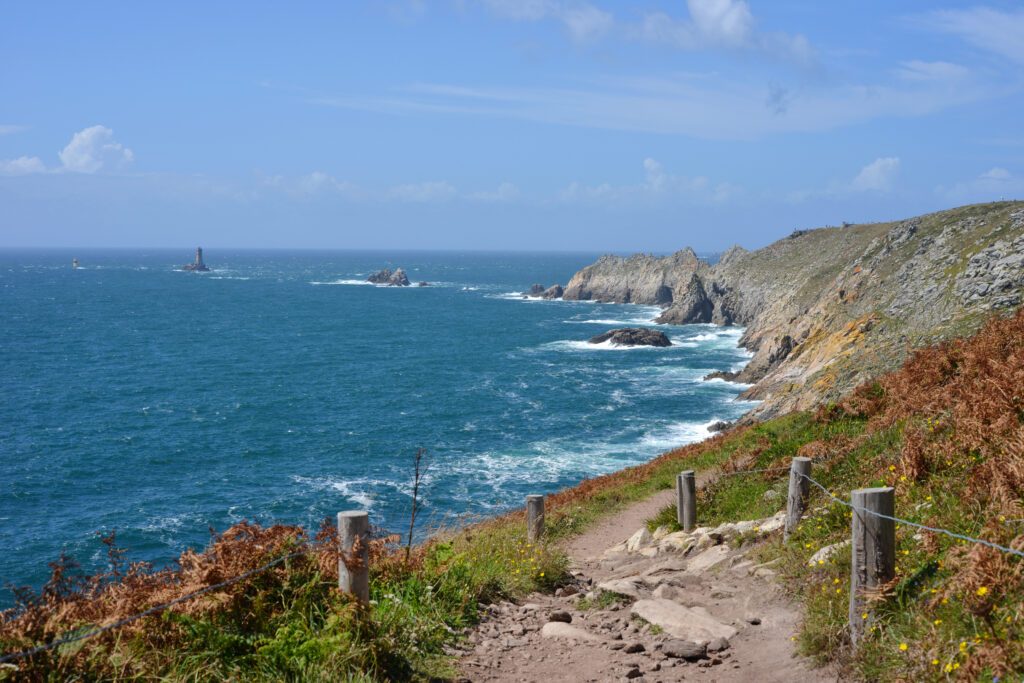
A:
575, 345
677, 434
342, 282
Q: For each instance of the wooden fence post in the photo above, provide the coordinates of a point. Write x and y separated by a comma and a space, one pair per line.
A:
354, 537
534, 518
873, 550
686, 500
799, 488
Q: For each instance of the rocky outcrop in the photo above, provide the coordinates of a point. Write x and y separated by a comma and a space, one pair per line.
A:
633, 336
642, 278
827, 309
398, 278
693, 306
553, 292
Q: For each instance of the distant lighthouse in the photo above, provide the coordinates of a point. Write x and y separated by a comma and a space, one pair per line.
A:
197, 266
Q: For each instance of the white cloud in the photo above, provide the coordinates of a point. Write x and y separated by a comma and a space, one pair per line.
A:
505, 192
10, 128
315, 183
987, 29
583, 21
425, 192
877, 176
916, 70
724, 24
657, 185
22, 166
94, 149
995, 183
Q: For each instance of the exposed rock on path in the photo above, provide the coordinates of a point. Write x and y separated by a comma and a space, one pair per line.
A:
689, 606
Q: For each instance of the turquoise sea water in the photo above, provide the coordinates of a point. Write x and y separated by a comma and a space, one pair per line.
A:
279, 388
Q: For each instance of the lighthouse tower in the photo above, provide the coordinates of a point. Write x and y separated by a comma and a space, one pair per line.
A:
199, 259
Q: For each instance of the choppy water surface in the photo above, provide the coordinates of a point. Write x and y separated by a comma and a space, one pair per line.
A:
280, 387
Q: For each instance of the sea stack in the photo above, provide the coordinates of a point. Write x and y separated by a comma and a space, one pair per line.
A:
196, 266
633, 336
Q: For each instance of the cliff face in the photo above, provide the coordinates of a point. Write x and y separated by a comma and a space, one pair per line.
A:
639, 279
826, 309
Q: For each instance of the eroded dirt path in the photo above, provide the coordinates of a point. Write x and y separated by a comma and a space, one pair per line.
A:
692, 607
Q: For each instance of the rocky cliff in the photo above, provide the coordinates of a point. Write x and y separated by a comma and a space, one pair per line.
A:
826, 309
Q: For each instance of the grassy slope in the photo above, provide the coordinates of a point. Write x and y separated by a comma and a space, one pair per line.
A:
947, 431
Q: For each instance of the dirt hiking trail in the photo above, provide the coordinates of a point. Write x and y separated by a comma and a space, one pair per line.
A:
648, 607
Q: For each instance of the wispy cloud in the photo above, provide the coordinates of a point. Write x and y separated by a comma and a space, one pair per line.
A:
320, 184
995, 183
11, 129
710, 109
582, 20
919, 71
987, 29
877, 177
22, 166
722, 24
657, 185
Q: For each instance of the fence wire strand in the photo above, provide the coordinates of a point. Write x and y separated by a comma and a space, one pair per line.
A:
152, 610
899, 520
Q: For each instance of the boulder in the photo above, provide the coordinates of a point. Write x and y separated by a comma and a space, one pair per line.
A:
562, 631
684, 649
535, 290
633, 336
630, 586
728, 377
553, 292
720, 426
396, 278
640, 539
687, 623
381, 277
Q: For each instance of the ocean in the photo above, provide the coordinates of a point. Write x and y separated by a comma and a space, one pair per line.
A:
280, 387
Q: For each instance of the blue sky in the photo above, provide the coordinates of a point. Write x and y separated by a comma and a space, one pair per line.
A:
499, 124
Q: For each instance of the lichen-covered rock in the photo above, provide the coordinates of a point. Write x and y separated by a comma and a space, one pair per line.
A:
826, 309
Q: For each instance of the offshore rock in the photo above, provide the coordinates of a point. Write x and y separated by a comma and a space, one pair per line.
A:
398, 278
633, 336
535, 290
553, 292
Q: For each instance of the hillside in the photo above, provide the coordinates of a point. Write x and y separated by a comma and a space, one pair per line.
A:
826, 309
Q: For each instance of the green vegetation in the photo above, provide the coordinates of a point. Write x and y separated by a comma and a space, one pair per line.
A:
947, 431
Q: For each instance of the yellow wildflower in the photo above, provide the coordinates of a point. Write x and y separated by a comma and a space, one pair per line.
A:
982, 591
903, 647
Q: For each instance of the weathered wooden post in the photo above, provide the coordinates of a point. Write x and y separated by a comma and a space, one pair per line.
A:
873, 546
534, 518
686, 500
799, 489
354, 564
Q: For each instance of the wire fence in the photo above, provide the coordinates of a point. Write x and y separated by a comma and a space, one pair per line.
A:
75, 637
924, 527
898, 520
